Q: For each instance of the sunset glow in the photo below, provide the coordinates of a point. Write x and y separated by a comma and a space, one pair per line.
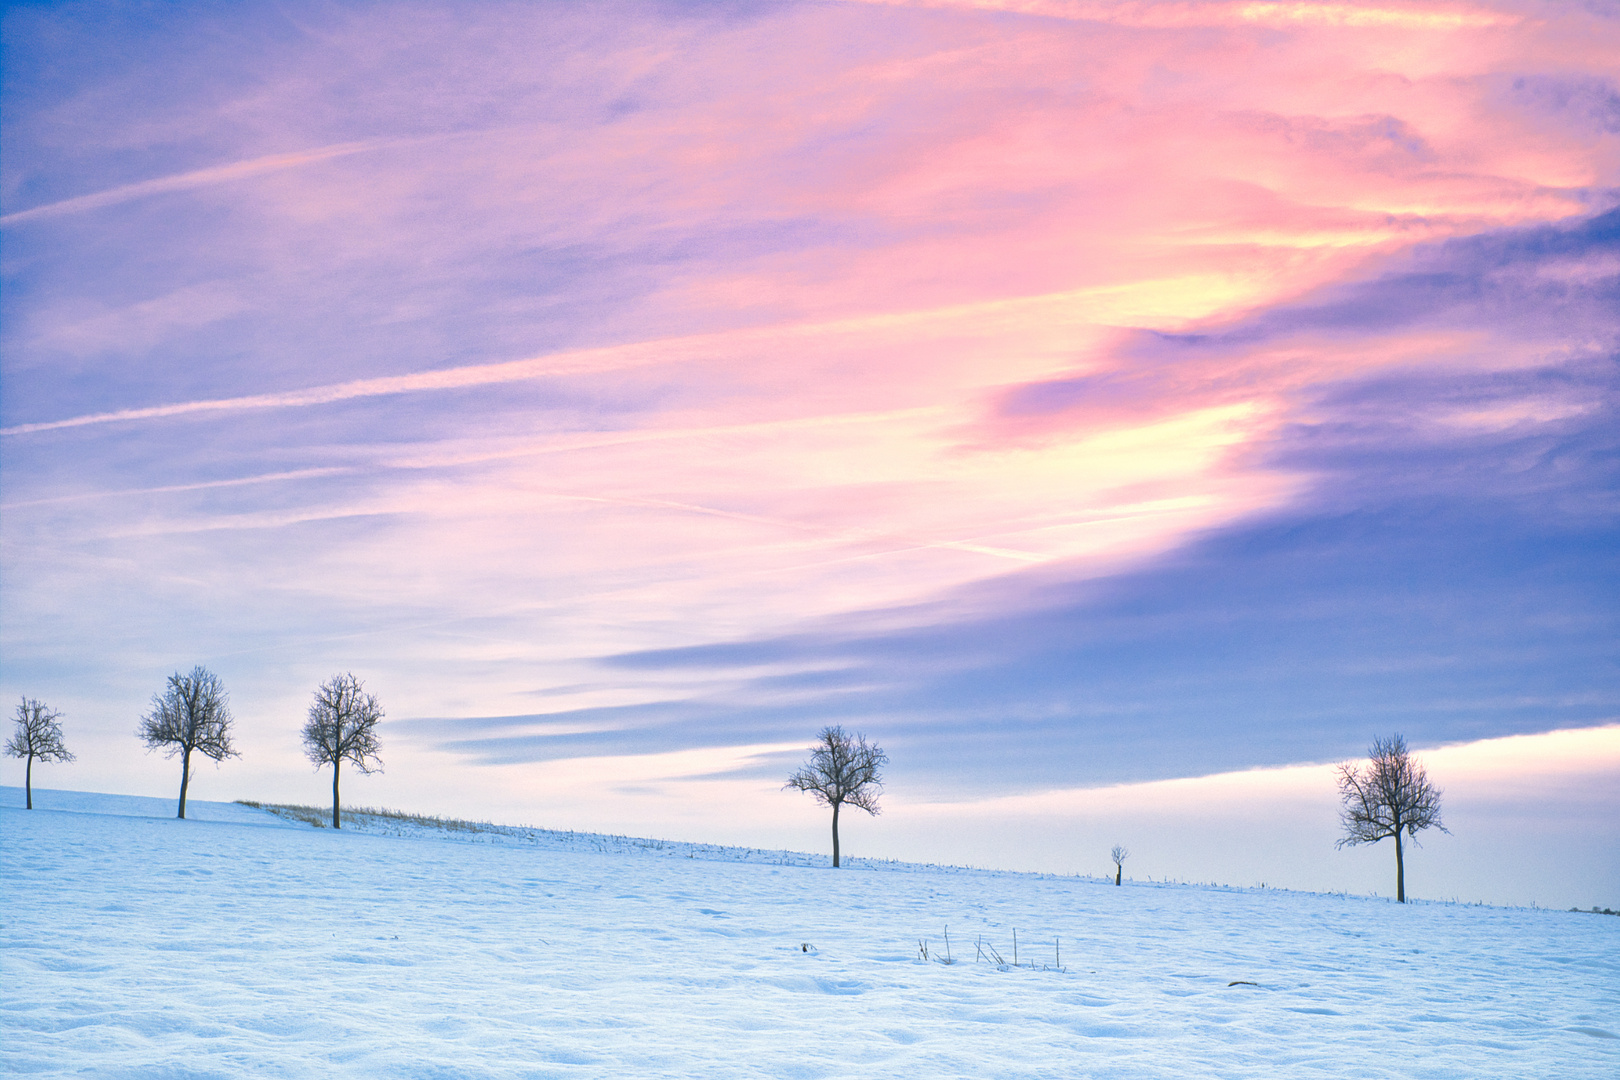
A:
1077, 397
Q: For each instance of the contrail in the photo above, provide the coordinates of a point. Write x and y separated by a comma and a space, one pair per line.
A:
1075, 304
166, 489
237, 170
598, 359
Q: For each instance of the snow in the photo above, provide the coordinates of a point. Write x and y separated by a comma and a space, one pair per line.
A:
241, 943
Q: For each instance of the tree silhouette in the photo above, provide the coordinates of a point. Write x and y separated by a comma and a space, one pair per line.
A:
1119, 855
343, 727
38, 735
1391, 796
842, 770
192, 714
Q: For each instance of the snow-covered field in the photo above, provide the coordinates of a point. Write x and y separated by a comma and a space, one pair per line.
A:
240, 944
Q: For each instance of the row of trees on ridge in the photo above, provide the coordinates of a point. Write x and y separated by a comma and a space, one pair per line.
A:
192, 715
1389, 797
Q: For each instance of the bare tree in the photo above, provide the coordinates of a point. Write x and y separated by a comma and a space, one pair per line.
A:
192, 714
38, 735
842, 770
1119, 855
343, 727
1391, 796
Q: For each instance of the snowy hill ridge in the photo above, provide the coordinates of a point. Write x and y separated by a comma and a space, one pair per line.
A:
243, 942
379, 821
384, 822
400, 823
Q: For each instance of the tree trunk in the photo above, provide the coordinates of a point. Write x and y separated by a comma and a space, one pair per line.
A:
28, 780
337, 822
835, 834
1119, 872
185, 778
1400, 870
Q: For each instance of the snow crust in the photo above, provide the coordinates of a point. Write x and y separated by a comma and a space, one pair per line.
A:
239, 943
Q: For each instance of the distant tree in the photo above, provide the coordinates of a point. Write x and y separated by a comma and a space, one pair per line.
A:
842, 770
38, 735
343, 727
1119, 855
1390, 797
192, 714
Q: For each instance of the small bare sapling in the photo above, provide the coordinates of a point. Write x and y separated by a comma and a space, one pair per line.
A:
1119, 855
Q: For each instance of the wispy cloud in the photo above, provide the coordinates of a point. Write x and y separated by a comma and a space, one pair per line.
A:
1066, 392
218, 174
1239, 13
170, 489
1175, 300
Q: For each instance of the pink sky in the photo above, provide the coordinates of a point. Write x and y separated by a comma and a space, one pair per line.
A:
477, 348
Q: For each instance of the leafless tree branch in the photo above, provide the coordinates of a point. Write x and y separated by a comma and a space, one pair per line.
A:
191, 714
342, 727
38, 735
842, 770
1389, 798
